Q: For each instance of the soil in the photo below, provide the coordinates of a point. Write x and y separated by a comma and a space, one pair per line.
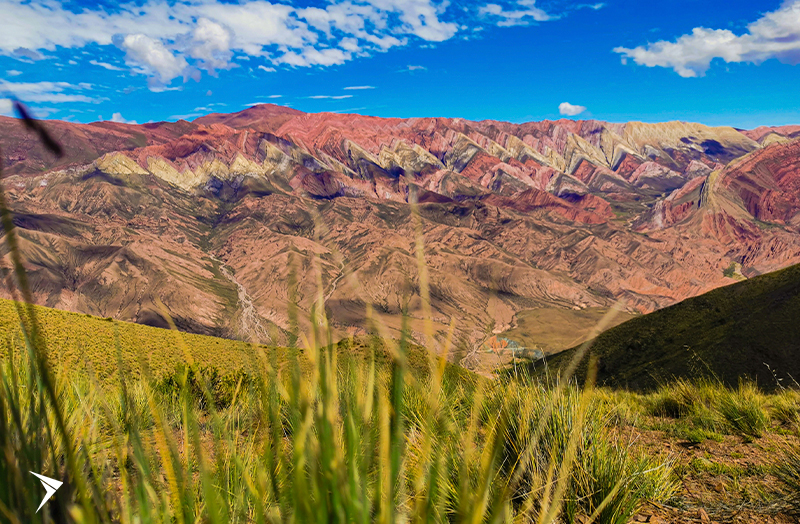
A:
720, 482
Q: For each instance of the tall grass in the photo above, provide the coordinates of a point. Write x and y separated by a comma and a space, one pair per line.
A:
743, 408
788, 471
311, 434
322, 445
711, 407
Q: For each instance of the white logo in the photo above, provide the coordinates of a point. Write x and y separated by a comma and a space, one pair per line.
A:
50, 486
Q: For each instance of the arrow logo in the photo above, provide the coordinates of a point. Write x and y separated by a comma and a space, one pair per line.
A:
50, 487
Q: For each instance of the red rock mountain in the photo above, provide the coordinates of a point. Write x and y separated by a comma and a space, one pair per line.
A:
210, 217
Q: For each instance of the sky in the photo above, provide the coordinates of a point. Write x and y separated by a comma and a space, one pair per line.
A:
718, 62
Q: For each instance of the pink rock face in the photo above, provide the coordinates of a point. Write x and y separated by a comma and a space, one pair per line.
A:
24, 155
759, 133
566, 214
768, 183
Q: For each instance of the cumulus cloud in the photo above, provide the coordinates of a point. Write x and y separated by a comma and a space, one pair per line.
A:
420, 18
523, 13
211, 45
774, 35
567, 109
13, 72
151, 57
169, 40
117, 117
267, 69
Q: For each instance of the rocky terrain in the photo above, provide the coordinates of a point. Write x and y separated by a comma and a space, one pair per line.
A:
207, 220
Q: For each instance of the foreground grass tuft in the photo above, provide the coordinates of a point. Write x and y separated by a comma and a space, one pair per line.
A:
788, 471
743, 410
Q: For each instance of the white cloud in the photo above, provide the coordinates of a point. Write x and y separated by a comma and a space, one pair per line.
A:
105, 65
338, 97
151, 57
524, 12
420, 18
117, 117
348, 110
354, 88
411, 68
169, 40
156, 87
310, 56
43, 92
52, 92
185, 117
267, 69
565, 108
774, 35
211, 45
6, 107
13, 72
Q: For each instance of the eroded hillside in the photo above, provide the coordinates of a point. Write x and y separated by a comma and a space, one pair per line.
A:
568, 215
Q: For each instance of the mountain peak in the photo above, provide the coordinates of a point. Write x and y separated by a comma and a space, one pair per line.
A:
260, 117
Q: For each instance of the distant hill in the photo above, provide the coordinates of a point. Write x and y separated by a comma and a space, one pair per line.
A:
213, 218
730, 332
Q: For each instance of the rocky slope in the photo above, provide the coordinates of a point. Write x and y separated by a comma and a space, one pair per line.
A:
561, 214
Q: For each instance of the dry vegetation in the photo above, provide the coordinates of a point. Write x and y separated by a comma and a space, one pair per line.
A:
328, 434
312, 436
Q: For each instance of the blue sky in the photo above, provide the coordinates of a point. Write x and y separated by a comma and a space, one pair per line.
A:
711, 61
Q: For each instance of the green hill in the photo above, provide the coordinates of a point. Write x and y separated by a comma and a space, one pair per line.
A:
731, 332
79, 344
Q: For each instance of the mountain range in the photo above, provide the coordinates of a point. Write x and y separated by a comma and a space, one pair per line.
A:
207, 221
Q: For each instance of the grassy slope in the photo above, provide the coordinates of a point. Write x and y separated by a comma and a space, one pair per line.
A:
731, 332
552, 329
78, 342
